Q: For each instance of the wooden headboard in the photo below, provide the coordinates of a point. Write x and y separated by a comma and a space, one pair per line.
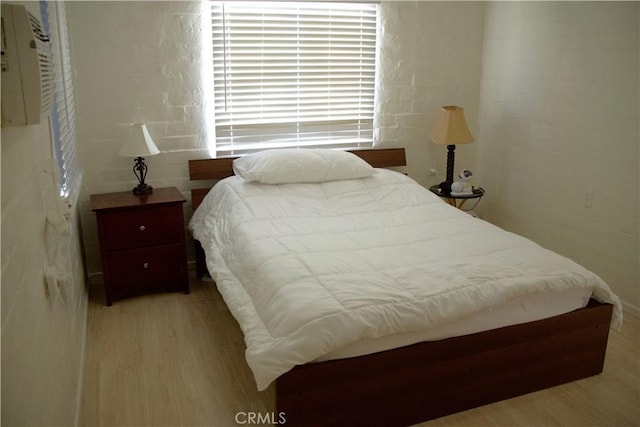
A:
207, 169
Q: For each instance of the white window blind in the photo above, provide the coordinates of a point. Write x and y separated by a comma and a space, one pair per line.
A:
295, 74
63, 127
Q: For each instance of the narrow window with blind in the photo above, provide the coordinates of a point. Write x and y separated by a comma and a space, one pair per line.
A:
63, 127
294, 74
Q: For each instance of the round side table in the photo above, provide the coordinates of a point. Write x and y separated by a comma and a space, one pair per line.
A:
459, 200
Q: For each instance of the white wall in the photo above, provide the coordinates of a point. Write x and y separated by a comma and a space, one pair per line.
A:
558, 147
42, 331
140, 61
431, 55
135, 62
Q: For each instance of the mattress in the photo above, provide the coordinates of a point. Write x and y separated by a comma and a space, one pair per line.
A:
523, 309
315, 271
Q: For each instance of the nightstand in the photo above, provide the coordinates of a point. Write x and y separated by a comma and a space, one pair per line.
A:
459, 200
142, 242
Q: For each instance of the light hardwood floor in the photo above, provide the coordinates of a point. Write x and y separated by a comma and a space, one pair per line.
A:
175, 359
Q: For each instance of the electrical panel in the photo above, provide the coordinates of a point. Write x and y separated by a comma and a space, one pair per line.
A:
28, 83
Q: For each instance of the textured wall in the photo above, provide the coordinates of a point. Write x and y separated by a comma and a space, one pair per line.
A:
430, 56
43, 328
140, 61
43, 325
135, 62
559, 129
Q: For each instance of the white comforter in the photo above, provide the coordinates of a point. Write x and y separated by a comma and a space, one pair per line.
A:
309, 268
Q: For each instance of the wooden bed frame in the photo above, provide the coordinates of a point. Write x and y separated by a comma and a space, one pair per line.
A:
428, 380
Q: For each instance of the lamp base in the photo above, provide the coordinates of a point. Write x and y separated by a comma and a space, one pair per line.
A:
142, 189
445, 187
140, 171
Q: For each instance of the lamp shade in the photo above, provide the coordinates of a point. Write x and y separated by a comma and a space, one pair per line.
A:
451, 127
138, 142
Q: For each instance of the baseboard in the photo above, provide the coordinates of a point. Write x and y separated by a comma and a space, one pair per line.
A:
80, 387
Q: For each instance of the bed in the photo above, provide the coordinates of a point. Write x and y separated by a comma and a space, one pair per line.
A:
339, 322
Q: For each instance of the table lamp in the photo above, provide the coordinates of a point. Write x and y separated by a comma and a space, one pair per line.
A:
450, 129
139, 144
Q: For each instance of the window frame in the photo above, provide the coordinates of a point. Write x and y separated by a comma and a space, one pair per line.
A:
354, 128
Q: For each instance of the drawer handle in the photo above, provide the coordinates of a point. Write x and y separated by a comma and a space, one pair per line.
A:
145, 265
142, 228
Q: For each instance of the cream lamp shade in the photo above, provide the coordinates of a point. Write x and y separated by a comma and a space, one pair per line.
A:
139, 144
450, 129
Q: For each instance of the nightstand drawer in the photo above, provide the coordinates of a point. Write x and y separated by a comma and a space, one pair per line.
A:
145, 227
160, 265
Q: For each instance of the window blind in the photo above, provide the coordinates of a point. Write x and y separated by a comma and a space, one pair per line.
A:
293, 74
63, 127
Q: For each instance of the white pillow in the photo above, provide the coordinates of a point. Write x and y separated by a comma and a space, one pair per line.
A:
291, 165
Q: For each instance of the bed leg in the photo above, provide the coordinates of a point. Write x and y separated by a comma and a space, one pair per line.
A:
201, 265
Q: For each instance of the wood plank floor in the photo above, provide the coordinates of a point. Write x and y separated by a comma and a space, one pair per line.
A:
178, 360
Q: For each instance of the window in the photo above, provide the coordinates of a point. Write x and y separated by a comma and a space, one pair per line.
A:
295, 74
63, 128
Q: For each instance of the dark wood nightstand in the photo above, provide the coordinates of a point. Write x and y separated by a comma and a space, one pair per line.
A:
142, 242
